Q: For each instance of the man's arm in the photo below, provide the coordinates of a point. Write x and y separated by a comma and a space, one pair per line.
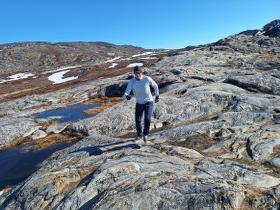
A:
154, 85
128, 90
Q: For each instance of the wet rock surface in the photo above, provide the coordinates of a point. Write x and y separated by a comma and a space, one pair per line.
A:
214, 142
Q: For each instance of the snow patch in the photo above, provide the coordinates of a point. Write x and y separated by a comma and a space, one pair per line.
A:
57, 78
20, 76
125, 59
1, 192
17, 77
111, 60
113, 65
260, 33
148, 58
134, 64
145, 53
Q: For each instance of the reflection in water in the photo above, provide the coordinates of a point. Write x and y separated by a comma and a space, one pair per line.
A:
17, 164
69, 113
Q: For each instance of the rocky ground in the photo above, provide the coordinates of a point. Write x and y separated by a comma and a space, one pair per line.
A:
214, 142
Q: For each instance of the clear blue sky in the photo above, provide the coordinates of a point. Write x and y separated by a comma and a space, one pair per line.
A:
146, 23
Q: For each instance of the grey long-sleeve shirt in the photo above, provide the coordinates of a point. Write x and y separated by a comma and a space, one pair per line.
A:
141, 89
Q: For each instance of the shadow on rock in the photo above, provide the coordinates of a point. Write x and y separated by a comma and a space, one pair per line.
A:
96, 150
91, 203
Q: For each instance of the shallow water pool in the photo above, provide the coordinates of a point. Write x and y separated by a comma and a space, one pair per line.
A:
17, 164
69, 113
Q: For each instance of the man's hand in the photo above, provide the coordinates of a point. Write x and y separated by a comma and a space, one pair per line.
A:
127, 97
156, 99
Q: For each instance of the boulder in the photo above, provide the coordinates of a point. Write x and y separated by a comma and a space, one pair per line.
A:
39, 134
56, 128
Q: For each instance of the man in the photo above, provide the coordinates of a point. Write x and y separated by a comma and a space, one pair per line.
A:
140, 85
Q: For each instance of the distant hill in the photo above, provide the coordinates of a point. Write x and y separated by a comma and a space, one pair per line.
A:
41, 56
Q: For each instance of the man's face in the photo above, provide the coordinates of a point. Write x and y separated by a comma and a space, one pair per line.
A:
138, 75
